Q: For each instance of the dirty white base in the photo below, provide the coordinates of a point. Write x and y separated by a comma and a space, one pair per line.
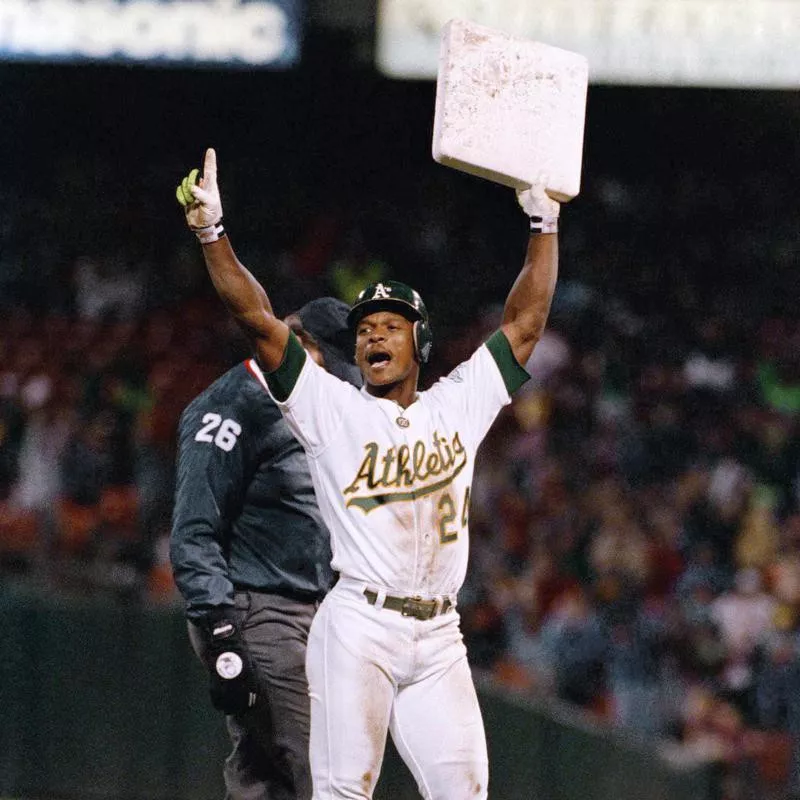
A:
510, 110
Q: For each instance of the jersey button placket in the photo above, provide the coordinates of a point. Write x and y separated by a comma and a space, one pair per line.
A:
411, 437
426, 537
429, 545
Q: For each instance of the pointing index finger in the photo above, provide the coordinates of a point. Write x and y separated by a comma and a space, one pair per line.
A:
210, 167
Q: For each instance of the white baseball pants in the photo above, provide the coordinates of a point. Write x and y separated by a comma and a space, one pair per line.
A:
373, 670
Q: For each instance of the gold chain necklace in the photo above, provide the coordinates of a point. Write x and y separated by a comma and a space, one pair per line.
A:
401, 420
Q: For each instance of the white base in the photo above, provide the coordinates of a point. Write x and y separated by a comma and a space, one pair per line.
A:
509, 110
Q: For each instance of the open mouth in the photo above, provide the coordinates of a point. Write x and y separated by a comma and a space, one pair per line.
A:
378, 358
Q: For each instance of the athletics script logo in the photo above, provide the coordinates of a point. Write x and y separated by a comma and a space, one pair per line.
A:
405, 473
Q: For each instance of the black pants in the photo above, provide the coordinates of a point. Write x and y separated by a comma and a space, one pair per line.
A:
269, 760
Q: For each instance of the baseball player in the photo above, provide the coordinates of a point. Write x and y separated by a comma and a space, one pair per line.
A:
392, 468
251, 557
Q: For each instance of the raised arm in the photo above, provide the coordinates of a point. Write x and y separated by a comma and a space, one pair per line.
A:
528, 303
241, 293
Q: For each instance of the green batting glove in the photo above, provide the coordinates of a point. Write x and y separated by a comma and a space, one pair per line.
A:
201, 200
184, 195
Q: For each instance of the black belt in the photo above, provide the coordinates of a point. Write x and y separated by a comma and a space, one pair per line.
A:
412, 606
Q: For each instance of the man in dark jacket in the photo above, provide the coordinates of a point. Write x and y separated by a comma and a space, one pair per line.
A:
251, 557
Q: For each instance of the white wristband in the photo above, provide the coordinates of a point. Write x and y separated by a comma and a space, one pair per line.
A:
544, 224
211, 233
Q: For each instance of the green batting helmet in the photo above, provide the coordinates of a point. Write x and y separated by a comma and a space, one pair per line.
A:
396, 296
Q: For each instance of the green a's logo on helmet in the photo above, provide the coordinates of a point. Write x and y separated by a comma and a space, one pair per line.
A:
402, 299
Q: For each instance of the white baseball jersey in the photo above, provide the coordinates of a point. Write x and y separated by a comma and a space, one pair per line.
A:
393, 485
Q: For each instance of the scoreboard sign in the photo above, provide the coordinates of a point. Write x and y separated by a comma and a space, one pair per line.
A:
713, 43
247, 33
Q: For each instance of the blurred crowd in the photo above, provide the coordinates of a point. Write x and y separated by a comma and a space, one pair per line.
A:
635, 521
636, 537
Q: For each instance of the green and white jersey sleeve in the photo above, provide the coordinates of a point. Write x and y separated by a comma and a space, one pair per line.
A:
318, 401
478, 388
